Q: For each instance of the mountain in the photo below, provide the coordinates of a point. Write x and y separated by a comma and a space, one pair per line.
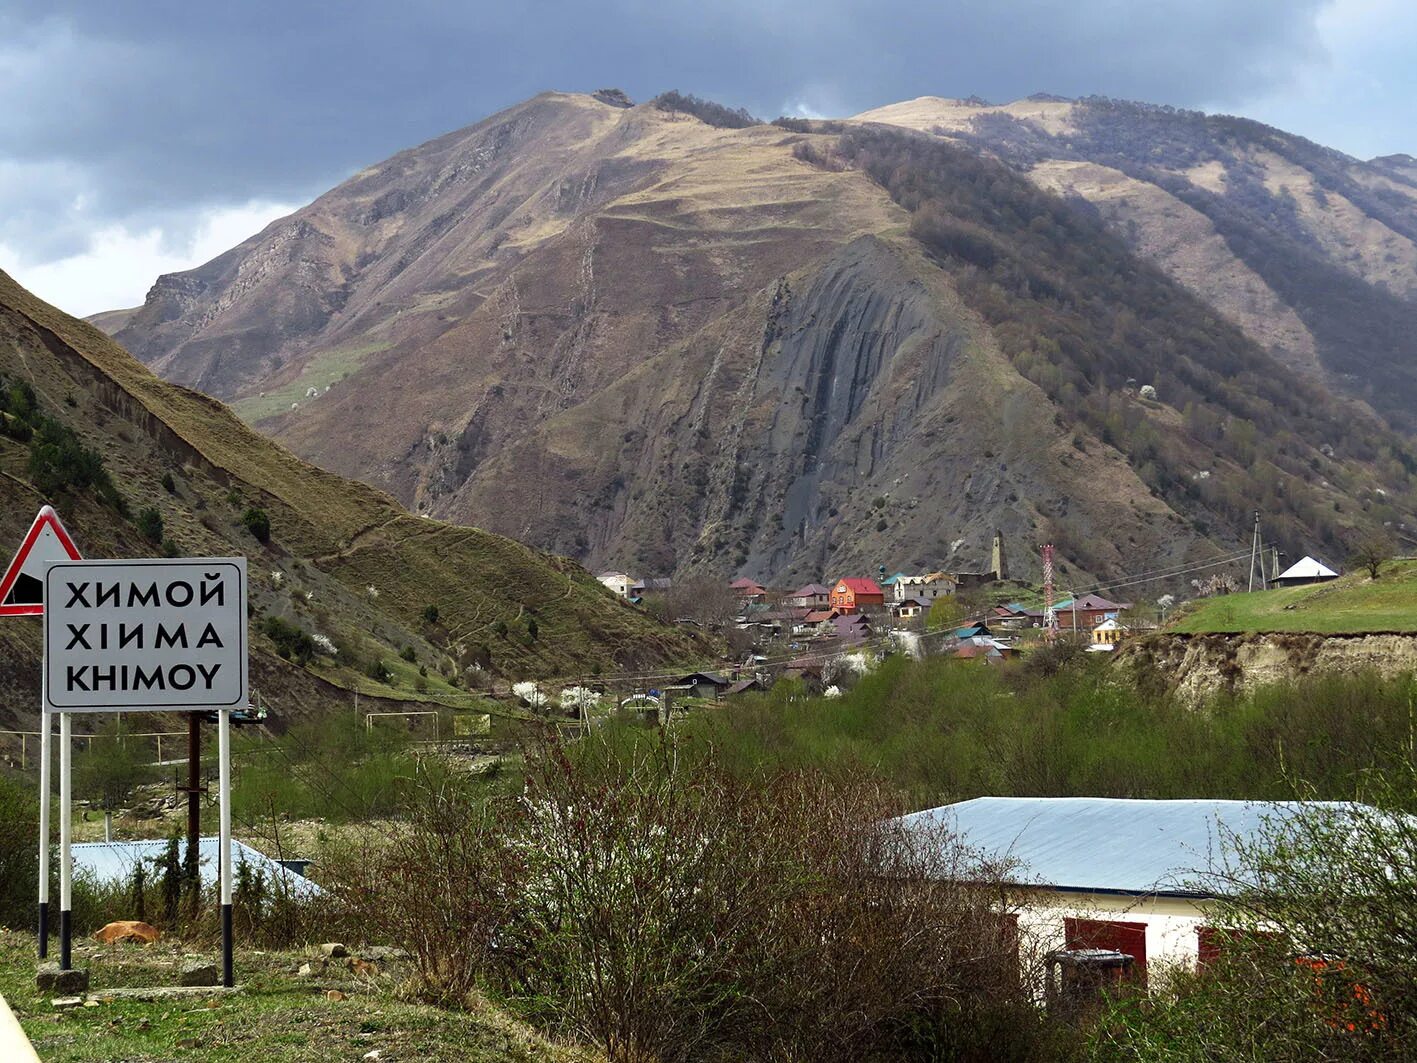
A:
139, 467
669, 338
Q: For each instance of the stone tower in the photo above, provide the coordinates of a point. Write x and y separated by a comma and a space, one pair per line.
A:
997, 563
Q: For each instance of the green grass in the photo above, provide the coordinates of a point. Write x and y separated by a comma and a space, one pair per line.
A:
1350, 604
324, 369
280, 1016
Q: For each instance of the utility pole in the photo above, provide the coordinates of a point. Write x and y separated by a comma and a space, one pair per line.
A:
1050, 618
1256, 560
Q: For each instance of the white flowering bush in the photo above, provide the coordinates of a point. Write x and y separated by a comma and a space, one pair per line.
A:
832, 692
847, 667
532, 694
372, 591
581, 698
324, 644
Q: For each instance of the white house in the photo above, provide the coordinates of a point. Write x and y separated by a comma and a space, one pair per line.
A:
621, 583
924, 589
1135, 876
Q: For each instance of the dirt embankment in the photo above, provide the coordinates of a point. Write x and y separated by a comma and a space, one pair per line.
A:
1195, 666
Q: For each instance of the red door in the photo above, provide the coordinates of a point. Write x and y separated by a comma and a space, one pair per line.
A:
1110, 934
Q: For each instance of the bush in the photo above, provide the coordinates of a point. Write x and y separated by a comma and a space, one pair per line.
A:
291, 642
19, 853
59, 462
408, 654
169, 484
378, 671
706, 111
430, 614
257, 523
672, 914
533, 629
149, 524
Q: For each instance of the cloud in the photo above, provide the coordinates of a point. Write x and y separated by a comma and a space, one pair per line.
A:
118, 265
158, 115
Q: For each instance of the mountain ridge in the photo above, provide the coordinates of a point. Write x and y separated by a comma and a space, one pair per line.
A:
597, 328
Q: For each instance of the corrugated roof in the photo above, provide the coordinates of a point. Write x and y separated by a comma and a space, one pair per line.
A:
1111, 845
860, 585
114, 861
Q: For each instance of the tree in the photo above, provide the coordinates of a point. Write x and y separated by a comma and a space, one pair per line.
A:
430, 614
1371, 553
109, 770
257, 523
706, 600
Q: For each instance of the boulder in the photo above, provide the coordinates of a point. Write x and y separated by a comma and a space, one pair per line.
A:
127, 930
50, 979
335, 994
67, 1002
197, 973
305, 971
333, 950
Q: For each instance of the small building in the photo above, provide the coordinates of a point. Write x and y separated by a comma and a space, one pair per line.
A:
855, 594
1303, 572
703, 685
909, 609
1139, 877
748, 591
657, 585
622, 584
812, 596
112, 863
851, 627
973, 631
1106, 635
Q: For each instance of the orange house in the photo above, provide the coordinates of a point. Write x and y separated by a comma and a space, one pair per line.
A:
853, 594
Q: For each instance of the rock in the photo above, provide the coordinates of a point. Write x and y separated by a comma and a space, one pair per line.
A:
305, 971
335, 994
91, 1003
67, 1002
374, 1056
50, 979
383, 953
197, 973
334, 950
127, 930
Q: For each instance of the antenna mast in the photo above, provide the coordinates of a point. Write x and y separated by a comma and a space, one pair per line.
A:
1050, 618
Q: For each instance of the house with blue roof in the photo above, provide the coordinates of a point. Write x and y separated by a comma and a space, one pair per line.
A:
113, 862
1137, 877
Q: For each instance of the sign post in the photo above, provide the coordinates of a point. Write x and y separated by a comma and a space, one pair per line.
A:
22, 594
146, 635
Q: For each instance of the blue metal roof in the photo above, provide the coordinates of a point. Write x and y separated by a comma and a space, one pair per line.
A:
114, 861
1112, 845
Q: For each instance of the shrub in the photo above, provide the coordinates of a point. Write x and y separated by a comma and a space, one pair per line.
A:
378, 671
408, 654
291, 642
533, 629
257, 523
19, 855
430, 614
149, 524
169, 484
706, 111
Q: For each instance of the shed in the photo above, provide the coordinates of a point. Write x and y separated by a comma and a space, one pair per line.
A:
114, 862
1306, 570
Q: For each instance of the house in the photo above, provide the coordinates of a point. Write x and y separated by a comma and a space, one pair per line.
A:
909, 609
1106, 635
703, 685
622, 584
812, 596
1085, 613
112, 863
743, 686
851, 627
1136, 876
854, 594
1303, 572
658, 585
925, 589
816, 621
748, 591
973, 631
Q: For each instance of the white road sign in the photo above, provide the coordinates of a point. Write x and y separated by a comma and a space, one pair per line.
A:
145, 634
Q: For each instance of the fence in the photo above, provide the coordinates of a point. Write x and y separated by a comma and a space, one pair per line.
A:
122, 739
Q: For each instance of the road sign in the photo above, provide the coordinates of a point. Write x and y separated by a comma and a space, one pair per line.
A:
22, 586
145, 635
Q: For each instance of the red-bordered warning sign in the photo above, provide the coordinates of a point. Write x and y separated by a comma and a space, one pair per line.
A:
22, 588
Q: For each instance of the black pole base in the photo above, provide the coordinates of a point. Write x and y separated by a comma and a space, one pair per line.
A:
43, 930
228, 979
66, 954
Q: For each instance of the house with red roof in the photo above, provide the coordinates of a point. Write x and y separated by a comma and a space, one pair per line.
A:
854, 594
748, 590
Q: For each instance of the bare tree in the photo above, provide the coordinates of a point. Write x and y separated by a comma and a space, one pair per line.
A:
1372, 552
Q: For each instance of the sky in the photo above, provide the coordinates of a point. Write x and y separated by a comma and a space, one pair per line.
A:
147, 136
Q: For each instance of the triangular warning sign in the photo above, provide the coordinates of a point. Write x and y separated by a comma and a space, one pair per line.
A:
22, 588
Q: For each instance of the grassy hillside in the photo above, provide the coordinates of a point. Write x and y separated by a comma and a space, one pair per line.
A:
1350, 604
413, 607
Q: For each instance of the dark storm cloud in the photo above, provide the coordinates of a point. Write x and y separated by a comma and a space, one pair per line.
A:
152, 110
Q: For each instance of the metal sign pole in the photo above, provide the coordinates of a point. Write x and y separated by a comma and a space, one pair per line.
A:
46, 755
224, 782
65, 828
